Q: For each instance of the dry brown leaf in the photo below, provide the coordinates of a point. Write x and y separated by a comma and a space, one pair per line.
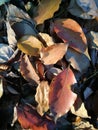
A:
54, 53
70, 31
42, 97
27, 70
46, 10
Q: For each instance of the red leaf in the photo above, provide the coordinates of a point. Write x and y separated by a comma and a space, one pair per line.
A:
29, 118
61, 97
70, 31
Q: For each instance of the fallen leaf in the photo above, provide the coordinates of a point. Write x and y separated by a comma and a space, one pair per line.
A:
42, 94
46, 10
27, 70
48, 39
78, 61
61, 97
1, 86
29, 118
30, 45
70, 31
53, 53
5, 52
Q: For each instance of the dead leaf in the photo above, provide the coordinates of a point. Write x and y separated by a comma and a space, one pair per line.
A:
1, 86
42, 97
30, 45
46, 10
29, 118
48, 39
61, 97
27, 70
79, 61
70, 31
54, 53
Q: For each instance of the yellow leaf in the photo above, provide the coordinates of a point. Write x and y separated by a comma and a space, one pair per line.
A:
46, 10
30, 45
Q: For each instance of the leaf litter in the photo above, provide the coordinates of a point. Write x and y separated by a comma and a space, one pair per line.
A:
48, 64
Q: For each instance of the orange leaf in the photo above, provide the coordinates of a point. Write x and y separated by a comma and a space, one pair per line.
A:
61, 97
29, 118
70, 31
53, 53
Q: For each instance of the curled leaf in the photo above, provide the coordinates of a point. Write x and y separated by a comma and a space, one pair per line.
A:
70, 31
46, 10
61, 97
27, 70
30, 45
54, 53
41, 97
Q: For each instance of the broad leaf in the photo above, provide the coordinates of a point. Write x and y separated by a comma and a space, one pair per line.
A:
61, 97
70, 31
46, 10
27, 70
54, 53
29, 118
30, 45
41, 97
79, 61
5, 52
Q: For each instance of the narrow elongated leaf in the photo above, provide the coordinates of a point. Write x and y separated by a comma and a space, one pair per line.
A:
29, 118
41, 97
1, 87
46, 10
70, 31
30, 45
54, 53
61, 97
28, 71
79, 61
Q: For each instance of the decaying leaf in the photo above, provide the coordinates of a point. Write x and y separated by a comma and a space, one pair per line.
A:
29, 118
1, 87
27, 70
53, 53
30, 45
61, 97
5, 52
46, 10
79, 61
42, 97
48, 39
70, 31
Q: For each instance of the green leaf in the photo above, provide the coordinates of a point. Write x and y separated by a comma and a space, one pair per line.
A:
46, 9
3, 1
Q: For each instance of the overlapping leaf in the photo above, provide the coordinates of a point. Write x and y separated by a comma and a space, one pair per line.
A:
61, 97
53, 53
70, 31
42, 94
30, 45
27, 70
79, 61
29, 118
46, 10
